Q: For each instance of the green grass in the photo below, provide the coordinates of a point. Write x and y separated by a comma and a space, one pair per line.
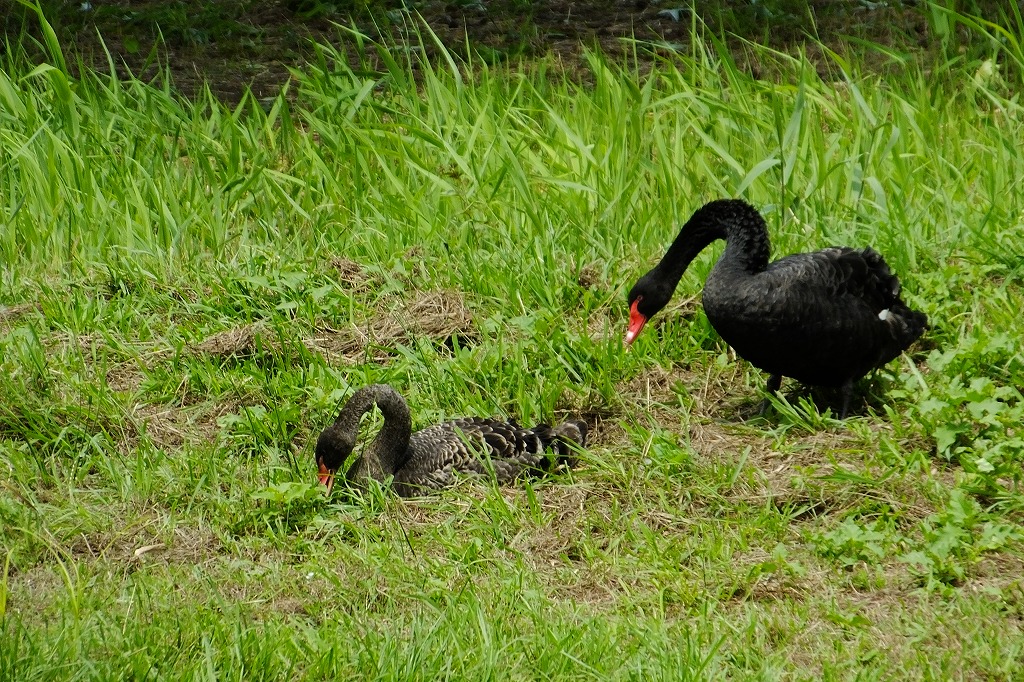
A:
189, 291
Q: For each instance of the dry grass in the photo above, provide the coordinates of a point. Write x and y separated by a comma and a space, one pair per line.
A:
239, 343
353, 276
436, 317
172, 427
12, 314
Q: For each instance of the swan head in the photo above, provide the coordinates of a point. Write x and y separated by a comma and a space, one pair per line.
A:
649, 295
332, 449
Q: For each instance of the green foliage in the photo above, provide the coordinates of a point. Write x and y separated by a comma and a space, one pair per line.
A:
954, 539
965, 397
255, 429
189, 291
289, 503
851, 542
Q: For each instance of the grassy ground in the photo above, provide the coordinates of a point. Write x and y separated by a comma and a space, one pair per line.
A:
189, 291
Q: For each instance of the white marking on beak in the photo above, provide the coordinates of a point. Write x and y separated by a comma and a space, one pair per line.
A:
884, 315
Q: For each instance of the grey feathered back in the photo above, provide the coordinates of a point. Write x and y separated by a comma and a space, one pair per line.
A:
432, 458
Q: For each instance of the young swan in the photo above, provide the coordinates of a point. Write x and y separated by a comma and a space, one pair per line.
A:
429, 459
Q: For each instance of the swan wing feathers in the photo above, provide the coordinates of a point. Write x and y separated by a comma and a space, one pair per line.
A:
474, 445
841, 272
822, 317
848, 282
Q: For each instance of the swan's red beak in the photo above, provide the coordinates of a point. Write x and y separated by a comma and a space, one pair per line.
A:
637, 320
326, 477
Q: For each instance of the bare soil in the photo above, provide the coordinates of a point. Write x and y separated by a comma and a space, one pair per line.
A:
249, 44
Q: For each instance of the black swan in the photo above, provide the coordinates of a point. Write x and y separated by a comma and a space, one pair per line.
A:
428, 459
825, 318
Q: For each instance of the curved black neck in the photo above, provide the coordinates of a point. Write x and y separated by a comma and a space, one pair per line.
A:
389, 451
739, 224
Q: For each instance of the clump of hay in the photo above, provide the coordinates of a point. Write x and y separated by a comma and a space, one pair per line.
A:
437, 316
590, 277
353, 276
240, 342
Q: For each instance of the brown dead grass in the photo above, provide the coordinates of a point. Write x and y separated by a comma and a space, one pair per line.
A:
434, 316
437, 316
353, 276
144, 541
10, 315
125, 377
590, 276
239, 342
1002, 572
86, 346
795, 472
753, 584
602, 432
551, 545
171, 427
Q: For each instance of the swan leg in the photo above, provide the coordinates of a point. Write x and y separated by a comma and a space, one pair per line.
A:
847, 392
772, 387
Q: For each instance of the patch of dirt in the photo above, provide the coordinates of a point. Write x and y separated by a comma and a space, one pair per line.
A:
654, 386
775, 583
249, 44
556, 541
577, 515
185, 546
580, 518
820, 471
87, 346
999, 571
30, 593
653, 397
125, 377
137, 546
590, 277
553, 549
601, 431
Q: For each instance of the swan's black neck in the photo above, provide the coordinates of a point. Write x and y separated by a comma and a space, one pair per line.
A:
746, 253
737, 222
389, 451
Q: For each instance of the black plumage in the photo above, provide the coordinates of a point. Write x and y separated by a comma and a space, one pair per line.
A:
430, 459
825, 318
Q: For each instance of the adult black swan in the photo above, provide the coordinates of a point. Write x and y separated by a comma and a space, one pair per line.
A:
429, 459
825, 318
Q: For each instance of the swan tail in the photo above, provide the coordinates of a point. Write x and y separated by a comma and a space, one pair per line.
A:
907, 324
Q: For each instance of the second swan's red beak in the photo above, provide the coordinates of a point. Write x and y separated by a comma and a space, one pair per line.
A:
637, 320
326, 477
